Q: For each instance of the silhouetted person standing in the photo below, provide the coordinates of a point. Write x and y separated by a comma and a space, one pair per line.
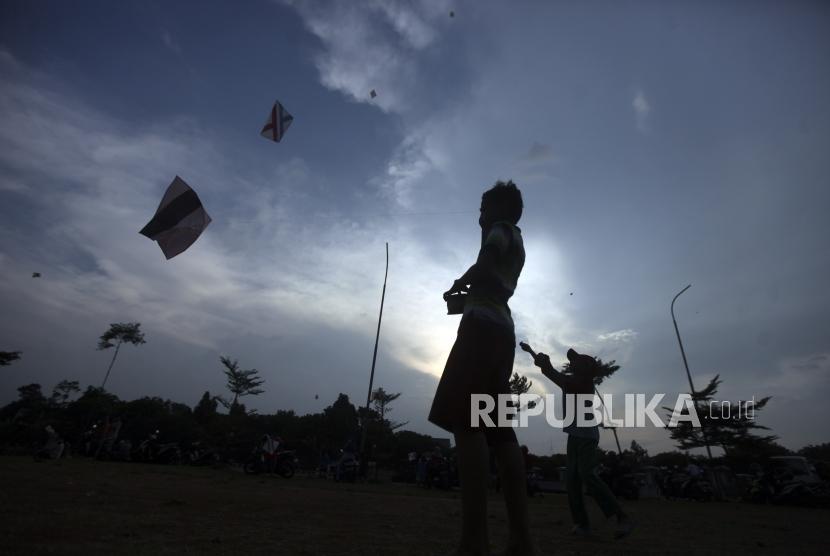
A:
481, 362
582, 446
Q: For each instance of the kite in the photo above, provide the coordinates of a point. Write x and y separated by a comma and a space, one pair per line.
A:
277, 123
372, 93
178, 221
452, 14
35, 274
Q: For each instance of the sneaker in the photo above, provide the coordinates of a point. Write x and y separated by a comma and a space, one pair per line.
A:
624, 528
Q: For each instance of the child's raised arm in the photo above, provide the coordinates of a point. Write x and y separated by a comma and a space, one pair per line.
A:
542, 360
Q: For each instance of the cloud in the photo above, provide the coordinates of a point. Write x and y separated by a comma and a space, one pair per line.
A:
618, 336
407, 169
798, 378
283, 279
641, 109
170, 43
14, 186
538, 153
272, 267
371, 46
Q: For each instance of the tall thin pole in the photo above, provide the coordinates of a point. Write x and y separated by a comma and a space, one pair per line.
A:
679, 341
689, 376
372, 374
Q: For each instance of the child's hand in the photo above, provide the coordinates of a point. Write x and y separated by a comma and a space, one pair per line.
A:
542, 360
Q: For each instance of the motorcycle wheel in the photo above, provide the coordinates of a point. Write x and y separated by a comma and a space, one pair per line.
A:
286, 470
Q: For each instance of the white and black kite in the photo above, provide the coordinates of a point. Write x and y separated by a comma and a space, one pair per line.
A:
178, 221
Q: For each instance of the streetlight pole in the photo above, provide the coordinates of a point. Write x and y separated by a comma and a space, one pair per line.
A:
679, 341
691, 384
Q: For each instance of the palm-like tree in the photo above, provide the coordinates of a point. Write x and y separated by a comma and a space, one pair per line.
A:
6, 357
241, 382
119, 332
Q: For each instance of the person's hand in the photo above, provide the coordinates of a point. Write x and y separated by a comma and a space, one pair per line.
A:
542, 360
457, 287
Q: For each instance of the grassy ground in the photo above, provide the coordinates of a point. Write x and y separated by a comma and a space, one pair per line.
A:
87, 507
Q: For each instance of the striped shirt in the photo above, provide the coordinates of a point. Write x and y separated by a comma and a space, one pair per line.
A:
488, 301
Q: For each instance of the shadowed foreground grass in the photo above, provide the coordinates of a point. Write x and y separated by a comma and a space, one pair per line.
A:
87, 507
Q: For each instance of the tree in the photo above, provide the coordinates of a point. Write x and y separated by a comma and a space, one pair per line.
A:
6, 357
121, 332
62, 391
241, 382
31, 394
30, 402
639, 455
206, 408
381, 400
817, 452
732, 433
521, 385
340, 420
94, 403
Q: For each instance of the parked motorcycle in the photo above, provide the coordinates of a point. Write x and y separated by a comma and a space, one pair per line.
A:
683, 486
281, 462
199, 453
53, 448
150, 450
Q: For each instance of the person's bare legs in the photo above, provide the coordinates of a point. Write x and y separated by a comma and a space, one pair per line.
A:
474, 474
511, 464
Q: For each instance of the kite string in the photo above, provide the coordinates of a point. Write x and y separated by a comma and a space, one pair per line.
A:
370, 215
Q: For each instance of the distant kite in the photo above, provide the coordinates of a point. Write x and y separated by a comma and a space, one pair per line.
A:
179, 219
277, 123
35, 274
372, 93
452, 14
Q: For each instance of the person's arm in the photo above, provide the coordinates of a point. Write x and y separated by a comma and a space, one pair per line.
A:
542, 360
479, 272
485, 266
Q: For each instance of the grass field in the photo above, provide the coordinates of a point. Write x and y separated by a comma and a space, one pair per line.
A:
87, 507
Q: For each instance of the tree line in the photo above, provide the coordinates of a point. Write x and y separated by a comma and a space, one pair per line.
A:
22, 421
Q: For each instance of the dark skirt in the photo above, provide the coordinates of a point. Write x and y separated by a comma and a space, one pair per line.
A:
481, 362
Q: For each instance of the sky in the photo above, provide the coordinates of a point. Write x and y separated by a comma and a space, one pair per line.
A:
656, 145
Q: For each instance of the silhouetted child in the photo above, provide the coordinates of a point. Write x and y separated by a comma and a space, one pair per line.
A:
481, 362
582, 446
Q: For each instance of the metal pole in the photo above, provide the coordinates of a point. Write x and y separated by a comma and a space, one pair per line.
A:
363, 461
679, 341
691, 384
